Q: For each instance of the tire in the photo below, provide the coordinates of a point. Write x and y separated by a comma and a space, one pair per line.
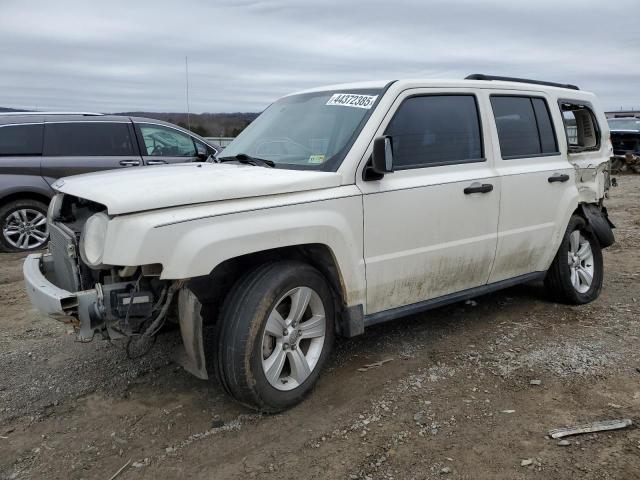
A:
567, 279
251, 338
23, 226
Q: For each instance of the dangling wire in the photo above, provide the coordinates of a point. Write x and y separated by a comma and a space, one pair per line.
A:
147, 339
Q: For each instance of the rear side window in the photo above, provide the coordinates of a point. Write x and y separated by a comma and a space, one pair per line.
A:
88, 139
524, 125
21, 140
548, 142
436, 130
581, 127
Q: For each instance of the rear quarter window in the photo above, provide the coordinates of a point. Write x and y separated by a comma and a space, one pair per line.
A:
21, 139
581, 126
88, 139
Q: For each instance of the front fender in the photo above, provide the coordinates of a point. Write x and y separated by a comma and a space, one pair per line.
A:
194, 247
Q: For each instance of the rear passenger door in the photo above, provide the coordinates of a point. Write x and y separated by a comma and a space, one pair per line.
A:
74, 147
537, 182
162, 144
430, 226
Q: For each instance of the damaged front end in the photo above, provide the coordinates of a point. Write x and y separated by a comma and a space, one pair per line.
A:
116, 302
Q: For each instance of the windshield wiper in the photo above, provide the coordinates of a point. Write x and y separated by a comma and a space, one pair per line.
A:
248, 159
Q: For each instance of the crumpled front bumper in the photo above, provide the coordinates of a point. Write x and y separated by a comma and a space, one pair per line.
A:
85, 310
77, 308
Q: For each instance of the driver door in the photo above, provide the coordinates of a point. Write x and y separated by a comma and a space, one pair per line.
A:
430, 227
161, 144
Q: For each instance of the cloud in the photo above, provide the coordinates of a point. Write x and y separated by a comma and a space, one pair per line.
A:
243, 54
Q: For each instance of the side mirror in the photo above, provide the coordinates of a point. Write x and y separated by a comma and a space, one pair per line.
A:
201, 151
382, 158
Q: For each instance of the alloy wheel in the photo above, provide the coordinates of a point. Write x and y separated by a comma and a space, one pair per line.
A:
293, 338
581, 264
25, 229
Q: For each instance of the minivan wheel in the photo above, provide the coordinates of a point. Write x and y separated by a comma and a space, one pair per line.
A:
24, 226
576, 274
276, 333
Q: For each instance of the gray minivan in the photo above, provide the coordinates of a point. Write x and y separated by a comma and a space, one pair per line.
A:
39, 147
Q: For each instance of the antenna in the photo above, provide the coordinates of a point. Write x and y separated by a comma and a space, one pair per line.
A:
186, 70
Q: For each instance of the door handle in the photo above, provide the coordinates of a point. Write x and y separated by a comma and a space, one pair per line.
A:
558, 178
156, 162
129, 163
477, 188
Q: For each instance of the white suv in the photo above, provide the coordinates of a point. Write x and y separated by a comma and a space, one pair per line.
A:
338, 208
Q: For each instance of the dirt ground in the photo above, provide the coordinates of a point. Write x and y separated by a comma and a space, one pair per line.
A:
454, 401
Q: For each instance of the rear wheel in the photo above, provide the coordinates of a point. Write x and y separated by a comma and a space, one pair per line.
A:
24, 226
276, 333
576, 274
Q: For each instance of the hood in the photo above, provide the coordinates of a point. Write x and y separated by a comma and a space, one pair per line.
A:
131, 190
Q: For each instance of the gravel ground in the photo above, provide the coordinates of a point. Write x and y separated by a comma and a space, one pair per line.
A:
470, 392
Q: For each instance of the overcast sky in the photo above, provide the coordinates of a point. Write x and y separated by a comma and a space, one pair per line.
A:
130, 55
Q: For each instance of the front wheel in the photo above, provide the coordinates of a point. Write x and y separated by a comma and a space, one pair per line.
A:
576, 274
276, 333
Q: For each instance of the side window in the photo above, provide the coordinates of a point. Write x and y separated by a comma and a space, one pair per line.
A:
88, 139
524, 126
21, 140
436, 130
161, 141
548, 142
581, 127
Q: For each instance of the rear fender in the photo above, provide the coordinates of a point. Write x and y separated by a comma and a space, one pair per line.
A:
598, 221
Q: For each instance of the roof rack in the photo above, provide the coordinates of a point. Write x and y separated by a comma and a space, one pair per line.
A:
481, 76
87, 114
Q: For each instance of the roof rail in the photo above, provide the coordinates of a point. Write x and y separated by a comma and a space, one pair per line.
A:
87, 114
481, 76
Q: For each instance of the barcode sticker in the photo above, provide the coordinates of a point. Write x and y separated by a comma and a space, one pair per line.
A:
352, 100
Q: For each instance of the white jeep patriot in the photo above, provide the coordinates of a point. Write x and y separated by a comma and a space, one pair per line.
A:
338, 208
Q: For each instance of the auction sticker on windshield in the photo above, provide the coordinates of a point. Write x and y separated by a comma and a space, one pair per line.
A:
352, 100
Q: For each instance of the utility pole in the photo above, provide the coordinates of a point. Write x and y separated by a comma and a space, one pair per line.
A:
186, 70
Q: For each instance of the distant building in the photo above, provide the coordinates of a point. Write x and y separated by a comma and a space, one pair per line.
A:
623, 113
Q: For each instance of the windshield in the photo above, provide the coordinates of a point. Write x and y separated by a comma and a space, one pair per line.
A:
624, 123
307, 131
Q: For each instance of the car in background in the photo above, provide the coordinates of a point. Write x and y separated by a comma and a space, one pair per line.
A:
625, 138
37, 148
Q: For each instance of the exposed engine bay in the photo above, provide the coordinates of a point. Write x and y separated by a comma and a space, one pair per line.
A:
117, 302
